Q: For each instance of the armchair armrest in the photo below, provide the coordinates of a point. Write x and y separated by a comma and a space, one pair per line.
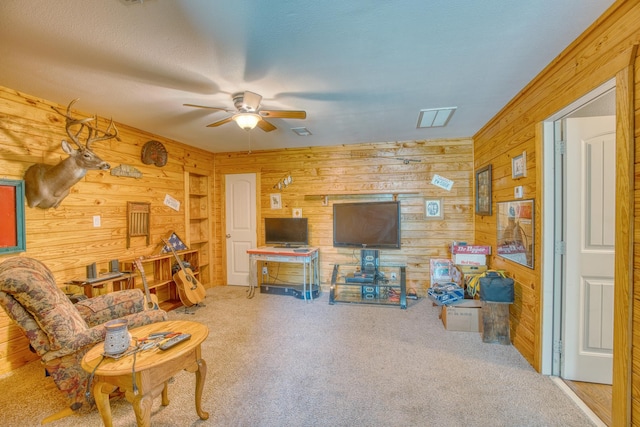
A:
102, 308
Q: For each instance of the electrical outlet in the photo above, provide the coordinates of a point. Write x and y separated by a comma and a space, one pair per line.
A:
393, 276
265, 270
96, 220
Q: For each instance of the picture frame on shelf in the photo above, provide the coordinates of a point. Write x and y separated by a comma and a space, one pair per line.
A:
433, 208
483, 191
12, 223
515, 231
519, 166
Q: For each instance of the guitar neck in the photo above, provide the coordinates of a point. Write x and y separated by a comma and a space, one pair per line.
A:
175, 254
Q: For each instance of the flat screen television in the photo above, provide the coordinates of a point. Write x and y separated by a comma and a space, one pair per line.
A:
368, 225
288, 232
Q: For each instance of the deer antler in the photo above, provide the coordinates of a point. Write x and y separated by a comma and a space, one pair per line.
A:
71, 121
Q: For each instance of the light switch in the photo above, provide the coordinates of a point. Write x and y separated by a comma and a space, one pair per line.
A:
96, 220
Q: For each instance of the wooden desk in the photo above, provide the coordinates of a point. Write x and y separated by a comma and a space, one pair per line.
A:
308, 257
153, 369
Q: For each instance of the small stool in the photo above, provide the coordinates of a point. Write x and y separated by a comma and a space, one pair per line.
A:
495, 320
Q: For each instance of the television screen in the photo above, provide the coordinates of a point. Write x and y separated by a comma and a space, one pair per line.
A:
286, 231
372, 225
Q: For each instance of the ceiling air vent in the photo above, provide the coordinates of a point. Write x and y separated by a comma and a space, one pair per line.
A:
435, 117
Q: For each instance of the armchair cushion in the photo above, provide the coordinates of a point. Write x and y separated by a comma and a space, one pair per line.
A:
102, 308
38, 293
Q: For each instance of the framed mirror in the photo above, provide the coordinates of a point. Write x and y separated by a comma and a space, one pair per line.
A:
515, 231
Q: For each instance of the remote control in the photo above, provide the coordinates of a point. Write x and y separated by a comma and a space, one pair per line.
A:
173, 341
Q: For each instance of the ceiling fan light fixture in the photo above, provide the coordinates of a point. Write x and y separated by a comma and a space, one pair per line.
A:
247, 121
435, 117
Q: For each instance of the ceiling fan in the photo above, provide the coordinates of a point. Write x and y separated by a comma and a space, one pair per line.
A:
248, 114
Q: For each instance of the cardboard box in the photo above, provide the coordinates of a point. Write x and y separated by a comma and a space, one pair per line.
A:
445, 293
465, 316
469, 259
471, 249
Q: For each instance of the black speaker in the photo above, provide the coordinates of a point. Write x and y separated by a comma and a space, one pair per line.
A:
92, 273
369, 260
114, 266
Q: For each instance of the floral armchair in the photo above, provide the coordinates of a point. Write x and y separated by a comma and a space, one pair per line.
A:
59, 331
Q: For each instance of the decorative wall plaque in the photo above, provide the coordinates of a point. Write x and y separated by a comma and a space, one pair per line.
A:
154, 152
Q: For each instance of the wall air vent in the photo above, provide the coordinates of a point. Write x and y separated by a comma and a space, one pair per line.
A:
435, 117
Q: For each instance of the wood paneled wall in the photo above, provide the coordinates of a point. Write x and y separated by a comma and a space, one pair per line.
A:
603, 52
65, 238
362, 172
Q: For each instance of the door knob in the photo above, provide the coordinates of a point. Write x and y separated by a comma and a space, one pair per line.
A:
228, 236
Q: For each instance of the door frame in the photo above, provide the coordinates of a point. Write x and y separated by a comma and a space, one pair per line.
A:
223, 213
623, 293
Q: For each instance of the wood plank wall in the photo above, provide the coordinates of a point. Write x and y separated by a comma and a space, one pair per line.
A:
603, 51
64, 238
350, 173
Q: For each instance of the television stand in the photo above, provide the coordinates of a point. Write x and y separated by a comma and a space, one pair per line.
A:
386, 287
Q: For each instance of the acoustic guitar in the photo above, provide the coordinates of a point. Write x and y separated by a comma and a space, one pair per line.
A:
190, 290
151, 299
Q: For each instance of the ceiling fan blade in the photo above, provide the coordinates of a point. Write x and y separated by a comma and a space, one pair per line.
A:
220, 122
204, 106
284, 114
251, 100
266, 126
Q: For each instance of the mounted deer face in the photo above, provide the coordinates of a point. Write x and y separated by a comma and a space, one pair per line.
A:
47, 185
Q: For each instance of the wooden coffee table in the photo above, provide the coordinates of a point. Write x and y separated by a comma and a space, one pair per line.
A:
145, 375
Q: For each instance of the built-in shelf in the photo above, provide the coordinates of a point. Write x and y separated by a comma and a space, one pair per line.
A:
197, 219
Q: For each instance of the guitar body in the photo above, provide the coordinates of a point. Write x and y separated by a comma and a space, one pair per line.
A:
190, 289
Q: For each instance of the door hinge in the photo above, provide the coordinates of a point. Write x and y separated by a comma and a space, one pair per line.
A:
557, 347
561, 147
560, 248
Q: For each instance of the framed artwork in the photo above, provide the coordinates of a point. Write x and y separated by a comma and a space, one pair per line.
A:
12, 224
483, 191
519, 166
515, 231
433, 209
275, 200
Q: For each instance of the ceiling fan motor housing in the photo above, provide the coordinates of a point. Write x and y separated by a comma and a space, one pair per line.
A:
238, 102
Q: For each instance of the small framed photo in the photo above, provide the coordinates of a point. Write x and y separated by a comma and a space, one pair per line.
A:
519, 166
433, 209
275, 200
483, 191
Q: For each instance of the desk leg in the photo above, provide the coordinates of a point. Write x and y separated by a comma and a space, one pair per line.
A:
201, 375
101, 392
253, 275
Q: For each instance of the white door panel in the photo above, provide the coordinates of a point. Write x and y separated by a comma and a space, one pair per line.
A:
240, 214
590, 231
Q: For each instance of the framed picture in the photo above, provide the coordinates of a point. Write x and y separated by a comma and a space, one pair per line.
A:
433, 209
515, 231
519, 166
12, 226
483, 191
276, 201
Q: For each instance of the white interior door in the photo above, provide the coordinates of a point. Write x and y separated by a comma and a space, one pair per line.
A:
590, 231
240, 214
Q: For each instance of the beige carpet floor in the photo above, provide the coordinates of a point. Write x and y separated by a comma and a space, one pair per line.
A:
279, 361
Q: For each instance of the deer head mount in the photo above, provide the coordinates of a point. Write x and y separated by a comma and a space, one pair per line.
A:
47, 185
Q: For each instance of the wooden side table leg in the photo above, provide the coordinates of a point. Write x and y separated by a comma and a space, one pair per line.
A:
165, 394
201, 375
142, 409
101, 392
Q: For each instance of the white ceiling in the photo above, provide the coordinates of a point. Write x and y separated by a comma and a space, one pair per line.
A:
362, 69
